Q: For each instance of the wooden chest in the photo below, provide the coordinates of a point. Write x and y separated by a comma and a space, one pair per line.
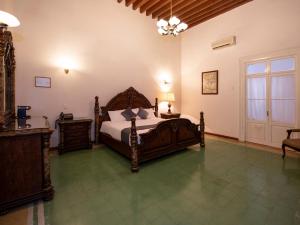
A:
74, 135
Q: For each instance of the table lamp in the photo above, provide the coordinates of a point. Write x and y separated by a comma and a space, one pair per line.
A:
169, 97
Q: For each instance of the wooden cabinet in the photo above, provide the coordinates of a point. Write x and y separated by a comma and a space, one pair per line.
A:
74, 134
24, 163
169, 115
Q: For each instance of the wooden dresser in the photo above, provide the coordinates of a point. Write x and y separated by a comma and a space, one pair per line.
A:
24, 162
74, 134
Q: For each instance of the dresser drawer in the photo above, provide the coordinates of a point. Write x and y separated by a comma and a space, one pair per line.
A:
77, 127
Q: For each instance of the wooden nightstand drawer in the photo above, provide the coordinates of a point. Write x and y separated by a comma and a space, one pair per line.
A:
169, 115
74, 134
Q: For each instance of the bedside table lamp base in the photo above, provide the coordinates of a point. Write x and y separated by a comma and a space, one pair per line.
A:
169, 108
169, 97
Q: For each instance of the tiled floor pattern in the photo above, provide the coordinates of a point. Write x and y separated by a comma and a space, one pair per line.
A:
225, 184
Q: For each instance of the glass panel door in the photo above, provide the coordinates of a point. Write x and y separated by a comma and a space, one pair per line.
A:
271, 100
257, 102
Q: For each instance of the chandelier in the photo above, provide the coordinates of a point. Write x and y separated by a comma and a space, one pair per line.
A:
171, 27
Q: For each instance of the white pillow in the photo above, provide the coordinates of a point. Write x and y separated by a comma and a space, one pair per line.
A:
135, 110
116, 116
151, 112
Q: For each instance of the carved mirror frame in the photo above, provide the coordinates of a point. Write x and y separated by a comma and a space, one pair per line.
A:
7, 77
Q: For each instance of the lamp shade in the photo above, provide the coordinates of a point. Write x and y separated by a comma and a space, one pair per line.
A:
8, 19
169, 96
174, 21
162, 23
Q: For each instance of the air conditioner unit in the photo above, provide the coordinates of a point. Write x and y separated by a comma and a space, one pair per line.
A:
224, 42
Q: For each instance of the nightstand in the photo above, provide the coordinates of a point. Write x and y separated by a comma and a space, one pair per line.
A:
169, 115
74, 135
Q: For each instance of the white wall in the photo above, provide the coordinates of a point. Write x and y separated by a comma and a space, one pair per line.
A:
111, 46
114, 47
261, 26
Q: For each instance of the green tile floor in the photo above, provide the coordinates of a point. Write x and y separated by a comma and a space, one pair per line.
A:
226, 184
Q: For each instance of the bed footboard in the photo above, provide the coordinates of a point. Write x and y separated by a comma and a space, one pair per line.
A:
168, 136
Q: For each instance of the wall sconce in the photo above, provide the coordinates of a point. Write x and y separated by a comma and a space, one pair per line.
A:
166, 82
166, 85
66, 64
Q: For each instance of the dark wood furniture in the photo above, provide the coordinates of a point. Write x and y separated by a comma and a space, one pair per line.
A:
293, 143
7, 77
74, 134
24, 163
170, 115
168, 136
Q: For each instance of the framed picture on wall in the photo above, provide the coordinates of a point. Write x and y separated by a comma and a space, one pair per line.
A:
43, 82
210, 82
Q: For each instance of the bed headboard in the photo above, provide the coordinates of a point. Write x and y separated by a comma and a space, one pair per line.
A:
130, 98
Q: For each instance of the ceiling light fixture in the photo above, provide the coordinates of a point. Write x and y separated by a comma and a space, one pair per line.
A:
8, 20
171, 27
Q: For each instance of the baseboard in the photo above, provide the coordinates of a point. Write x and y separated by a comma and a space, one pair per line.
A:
223, 136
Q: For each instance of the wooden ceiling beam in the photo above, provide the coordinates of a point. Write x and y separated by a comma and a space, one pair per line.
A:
148, 5
176, 9
138, 3
191, 12
157, 7
213, 5
186, 8
217, 12
166, 9
183, 14
128, 2
219, 8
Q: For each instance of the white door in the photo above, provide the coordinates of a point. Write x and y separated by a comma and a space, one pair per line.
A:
271, 100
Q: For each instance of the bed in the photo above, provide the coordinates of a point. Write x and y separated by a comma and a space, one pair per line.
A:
143, 140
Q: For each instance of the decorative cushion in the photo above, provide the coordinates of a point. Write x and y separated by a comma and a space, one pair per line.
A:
151, 112
142, 113
128, 114
115, 116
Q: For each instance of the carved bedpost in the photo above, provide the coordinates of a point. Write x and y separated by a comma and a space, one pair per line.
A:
156, 107
202, 128
133, 142
97, 111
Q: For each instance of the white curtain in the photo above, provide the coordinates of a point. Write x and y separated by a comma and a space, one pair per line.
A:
257, 98
283, 99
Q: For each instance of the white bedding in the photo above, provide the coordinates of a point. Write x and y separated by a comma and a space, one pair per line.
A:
114, 128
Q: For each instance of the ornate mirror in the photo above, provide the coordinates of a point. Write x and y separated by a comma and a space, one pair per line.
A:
7, 77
